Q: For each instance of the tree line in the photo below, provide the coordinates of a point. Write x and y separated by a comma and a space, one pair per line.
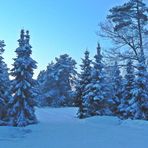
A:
114, 82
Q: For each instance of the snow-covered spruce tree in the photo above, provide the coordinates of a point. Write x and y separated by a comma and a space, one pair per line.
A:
139, 104
21, 111
83, 81
95, 97
128, 88
117, 88
5, 94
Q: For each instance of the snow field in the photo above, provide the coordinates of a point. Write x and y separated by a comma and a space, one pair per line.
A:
59, 128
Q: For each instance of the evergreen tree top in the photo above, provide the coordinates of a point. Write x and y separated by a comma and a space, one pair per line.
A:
98, 48
2, 45
98, 56
86, 53
86, 61
27, 37
22, 38
24, 45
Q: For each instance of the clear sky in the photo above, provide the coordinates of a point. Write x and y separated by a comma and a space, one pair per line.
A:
56, 27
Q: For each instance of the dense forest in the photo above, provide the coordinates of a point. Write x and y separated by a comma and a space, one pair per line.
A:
113, 83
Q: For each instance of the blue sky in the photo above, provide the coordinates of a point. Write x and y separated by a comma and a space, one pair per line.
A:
56, 27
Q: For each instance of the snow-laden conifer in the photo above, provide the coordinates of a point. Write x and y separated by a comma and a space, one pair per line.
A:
21, 106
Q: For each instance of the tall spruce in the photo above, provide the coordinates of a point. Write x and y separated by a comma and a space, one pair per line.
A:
95, 98
21, 111
5, 84
129, 86
139, 104
83, 81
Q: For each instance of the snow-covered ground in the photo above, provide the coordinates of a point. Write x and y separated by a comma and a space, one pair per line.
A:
59, 128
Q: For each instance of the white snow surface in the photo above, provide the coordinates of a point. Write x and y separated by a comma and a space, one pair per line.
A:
59, 128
